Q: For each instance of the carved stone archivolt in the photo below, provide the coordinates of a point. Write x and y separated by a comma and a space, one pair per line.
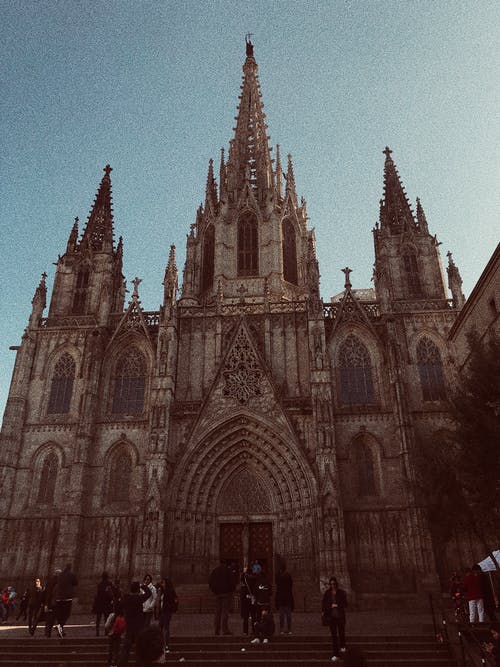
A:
240, 444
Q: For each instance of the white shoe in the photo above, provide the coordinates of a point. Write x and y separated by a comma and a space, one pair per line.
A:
343, 649
265, 641
334, 658
255, 641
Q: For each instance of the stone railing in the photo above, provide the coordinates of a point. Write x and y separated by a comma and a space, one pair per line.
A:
371, 309
68, 322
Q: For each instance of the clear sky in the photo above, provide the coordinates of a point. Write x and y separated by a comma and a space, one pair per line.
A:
151, 88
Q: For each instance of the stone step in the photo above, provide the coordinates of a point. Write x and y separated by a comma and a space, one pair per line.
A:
291, 651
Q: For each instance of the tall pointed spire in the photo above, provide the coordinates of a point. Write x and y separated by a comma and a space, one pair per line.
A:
211, 189
290, 181
421, 219
38, 302
249, 154
73, 237
395, 211
279, 174
455, 282
222, 177
170, 280
98, 233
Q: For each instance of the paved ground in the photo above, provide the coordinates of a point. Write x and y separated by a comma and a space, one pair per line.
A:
384, 623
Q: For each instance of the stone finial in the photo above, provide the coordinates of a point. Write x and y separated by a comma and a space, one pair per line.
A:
347, 271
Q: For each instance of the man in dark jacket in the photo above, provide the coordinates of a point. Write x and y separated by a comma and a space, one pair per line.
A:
64, 592
222, 582
134, 617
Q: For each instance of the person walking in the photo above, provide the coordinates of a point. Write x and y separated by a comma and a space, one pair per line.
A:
49, 601
115, 635
166, 605
149, 605
35, 601
284, 601
222, 583
103, 601
474, 594
64, 593
334, 604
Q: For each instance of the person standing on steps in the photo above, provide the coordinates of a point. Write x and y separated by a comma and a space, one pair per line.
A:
149, 605
333, 607
284, 601
64, 593
222, 583
103, 601
35, 601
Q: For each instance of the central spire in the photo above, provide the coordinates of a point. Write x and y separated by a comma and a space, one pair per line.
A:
249, 155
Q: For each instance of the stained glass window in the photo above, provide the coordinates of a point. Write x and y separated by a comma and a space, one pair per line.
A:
430, 370
120, 475
366, 470
412, 275
81, 289
130, 382
248, 250
48, 478
207, 274
289, 253
356, 382
61, 386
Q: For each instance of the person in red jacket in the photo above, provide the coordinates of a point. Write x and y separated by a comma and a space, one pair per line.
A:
474, 594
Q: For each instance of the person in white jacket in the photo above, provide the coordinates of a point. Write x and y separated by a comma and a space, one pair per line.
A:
149, 605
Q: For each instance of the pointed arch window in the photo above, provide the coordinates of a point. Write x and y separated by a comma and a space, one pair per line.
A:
207, 272
289, 252
356, 381
365, 465
48, 478
120, 477
81, 289
130, 383
61, 386
430, 369
410, 265
248, 249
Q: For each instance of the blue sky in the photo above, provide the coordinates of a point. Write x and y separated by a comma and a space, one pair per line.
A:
151, 88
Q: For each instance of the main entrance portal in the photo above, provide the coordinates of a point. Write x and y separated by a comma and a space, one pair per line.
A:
243, 543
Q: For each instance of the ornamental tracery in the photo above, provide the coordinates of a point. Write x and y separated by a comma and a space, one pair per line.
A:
242, 373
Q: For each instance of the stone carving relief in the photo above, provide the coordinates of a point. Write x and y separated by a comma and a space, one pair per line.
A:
244, 494
242, 373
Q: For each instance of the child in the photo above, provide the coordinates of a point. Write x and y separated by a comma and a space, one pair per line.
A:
115, 637
264, 629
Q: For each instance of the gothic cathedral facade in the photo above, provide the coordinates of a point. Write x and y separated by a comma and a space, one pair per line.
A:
246, 419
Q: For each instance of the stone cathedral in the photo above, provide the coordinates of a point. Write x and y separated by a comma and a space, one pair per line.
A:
247, 418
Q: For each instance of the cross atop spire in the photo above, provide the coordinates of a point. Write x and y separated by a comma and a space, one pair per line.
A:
347, 272
98, 233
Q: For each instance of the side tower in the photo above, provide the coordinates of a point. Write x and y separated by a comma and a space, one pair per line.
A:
49, 426
407, 261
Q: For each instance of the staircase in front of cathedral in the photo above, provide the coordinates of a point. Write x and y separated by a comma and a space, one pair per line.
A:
292, 651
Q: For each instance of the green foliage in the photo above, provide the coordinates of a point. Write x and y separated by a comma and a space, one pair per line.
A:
458, 470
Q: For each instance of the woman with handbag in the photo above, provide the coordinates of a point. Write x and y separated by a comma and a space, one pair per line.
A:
333, 614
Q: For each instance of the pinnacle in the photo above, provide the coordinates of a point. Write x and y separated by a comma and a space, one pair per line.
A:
395, 210
98, 233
